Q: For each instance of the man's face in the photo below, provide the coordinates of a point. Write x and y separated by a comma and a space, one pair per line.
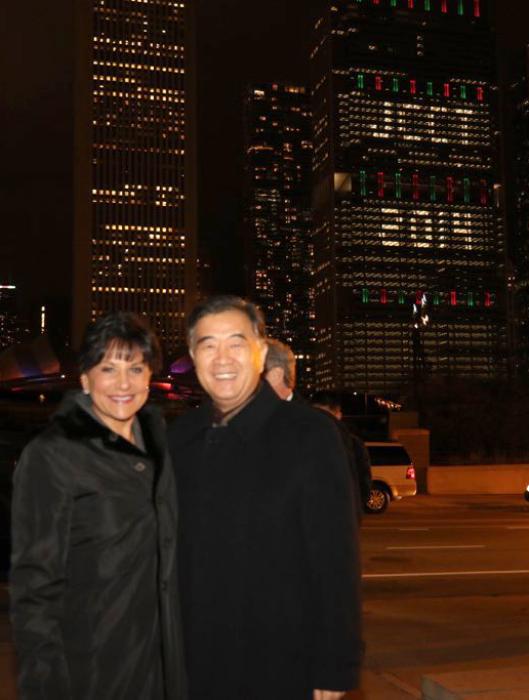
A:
228, 356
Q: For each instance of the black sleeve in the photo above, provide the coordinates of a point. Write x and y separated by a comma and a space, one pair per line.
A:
41, 517
331, 530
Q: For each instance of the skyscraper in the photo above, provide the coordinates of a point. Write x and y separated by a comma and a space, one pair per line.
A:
101, 163
519, 215
135, 225
408, 231
278, 215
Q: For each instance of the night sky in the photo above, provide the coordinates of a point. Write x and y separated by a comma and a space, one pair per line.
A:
240, 42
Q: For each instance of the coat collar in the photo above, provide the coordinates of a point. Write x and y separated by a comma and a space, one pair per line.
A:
79, 421
249, 420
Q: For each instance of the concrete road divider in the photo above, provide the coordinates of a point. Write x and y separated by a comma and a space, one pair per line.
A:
477, 479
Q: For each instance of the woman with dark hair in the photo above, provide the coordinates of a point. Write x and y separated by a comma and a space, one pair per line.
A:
93, 573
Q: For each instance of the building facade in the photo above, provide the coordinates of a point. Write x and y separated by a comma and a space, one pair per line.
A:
135, 222
409, 238
519, 215
279, 260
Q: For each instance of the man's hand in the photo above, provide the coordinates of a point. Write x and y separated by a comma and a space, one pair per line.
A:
328, 695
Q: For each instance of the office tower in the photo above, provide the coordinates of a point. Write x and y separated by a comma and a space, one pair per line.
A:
408, 224
136, 224
519, 214
278, 152
13, 328
101, 162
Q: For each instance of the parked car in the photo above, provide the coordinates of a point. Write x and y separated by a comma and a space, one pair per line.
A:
393, 474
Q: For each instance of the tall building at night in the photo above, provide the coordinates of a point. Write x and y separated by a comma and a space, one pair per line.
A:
103, 159
278, 163
135, 226
409, 239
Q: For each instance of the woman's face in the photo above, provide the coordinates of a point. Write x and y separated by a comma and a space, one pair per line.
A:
118, 387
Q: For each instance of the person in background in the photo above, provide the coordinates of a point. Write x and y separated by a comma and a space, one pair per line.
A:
359, 462
280, 369
93, 575
268, 546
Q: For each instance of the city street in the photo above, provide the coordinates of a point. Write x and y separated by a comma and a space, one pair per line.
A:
446, 587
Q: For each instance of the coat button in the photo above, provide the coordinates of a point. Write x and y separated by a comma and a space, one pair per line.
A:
140, 467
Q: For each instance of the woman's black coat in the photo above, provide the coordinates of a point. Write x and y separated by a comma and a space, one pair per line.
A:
93, 574
269, 561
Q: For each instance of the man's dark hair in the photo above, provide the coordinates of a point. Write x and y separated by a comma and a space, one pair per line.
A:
127, 332
280, 355
226, 302
326, 397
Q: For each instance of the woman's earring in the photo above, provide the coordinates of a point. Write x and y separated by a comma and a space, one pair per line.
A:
86, 391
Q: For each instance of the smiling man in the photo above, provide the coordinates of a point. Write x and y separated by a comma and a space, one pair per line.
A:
269, 564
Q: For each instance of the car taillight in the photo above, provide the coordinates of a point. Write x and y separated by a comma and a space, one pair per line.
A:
410, 472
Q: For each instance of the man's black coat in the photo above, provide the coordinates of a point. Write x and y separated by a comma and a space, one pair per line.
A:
268, 553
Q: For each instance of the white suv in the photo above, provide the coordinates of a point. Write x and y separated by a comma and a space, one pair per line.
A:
392, 474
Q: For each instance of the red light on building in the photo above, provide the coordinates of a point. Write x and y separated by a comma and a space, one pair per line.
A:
477, 8
483, 194
480, 94
418, 297
413, 87
378, 82
383, 296
411, 4
444, 6
450, 189
453, 298
380, 184
488, 299
415, 186
446, 89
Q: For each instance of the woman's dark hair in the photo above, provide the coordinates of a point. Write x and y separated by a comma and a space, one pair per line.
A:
226, 302
127, 332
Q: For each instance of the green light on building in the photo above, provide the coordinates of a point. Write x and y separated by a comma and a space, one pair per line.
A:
363, 183
395, 84
402, 298
360, 81
398, 185
365, 296
429, 88
463, 92
433, 193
